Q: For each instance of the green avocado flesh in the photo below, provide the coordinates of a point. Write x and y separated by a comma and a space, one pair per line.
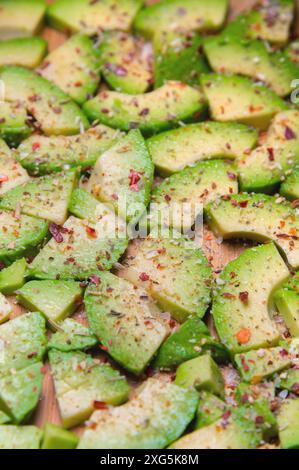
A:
288, 424
27, 52
20, 437
13, 277
21, 18
13, 122
56, 437
11, 171
287, 302
72, 336
290, 186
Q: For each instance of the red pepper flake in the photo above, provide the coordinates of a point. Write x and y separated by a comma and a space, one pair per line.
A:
244, 364
243, 204
243, 336
91, 232
56, 110
245, 398
134, 178
243, 296
232, 176
144, 112
35, 146
103, 348
270, 151
259, 420
3, 178
227, 295
31, 355
295, 388
94, 279
114, 197
289, 133
144, 277
232, 275
57, 231
283, 353
167, 198
295, 204
78, 83
226, 415
149, 372
100, 405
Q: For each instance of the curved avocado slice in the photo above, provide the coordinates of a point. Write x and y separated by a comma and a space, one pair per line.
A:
55, 437
12, 173
13, 122
236, 98
27, 52
73, 67
164, 407
51, 107
21, 18
5, 308
243, 296
152, 112
258, 217
72, 336
287, 302
290, 187
20, 437
82, 383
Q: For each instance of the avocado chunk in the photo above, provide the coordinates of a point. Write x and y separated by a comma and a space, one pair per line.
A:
258, 217
21, 17
210, 409
288, 424
292, 51
46, 197
173, 150
290, 187
23, 342
12, 173
123, 176
83, 383
166, 408
13, 122
181, 16
264, 168
27, 52
72, 336
55, 437
175, 272
126, 62
20, 392
40, 154
5, 309
54, 299
189, 341
20, 437
181, 196
287, 301
73, 67
53, 110
92, 17
289, 380
20, 235
151, 112
4, 418
13, 277
236, 98
244, 290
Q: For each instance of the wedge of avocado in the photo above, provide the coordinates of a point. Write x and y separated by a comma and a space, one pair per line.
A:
210, 409
151, 112
287, 418
173, 150
73, 67
236, 98
126, 62
72, 336
13, 122
20, 437
27, 52
165, 408
242, 298
12, 173
13, 277
55, 437
53, 110
21, 18
290, 186
83, 383
5, 309
287, 302
125, 320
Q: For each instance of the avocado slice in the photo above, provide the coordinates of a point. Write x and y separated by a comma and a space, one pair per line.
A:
20, 437
55, 437
175, 272
173, 150
54, 299
46, 197
292, 51
53, 110
126, 62
258, 217
5, 309
210, 409
21, 18
82, 383
40, 154
287, 302
73, 67
12, 173
180, 197
164, 407
72, 336
181, 16
13, 122
242, 298
13, 277
287, 418
4, 418
290, 187
92, 17
20, 235
27, 52
23, 342
236, 98
151, 112
123, 177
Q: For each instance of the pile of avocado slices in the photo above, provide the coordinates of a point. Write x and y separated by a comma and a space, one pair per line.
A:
106, 289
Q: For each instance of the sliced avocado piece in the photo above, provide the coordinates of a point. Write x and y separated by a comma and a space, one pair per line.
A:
20, 392
82, 383
13, 277
165, 408
46, 197
287, 302
242, 298
292, 51
55, 437
27, 52
73, 67
258, 217
54, 299
173, 150
23, 342
4, 418
287, 418
181, 16
92, 17
40, 154
53, 110
263, 169
5, 309
72, 336
210, 409
126, 62
290, 187
289, 380
175, 272
12, 173
20, 437
13, 122
21, 18
236, 98
180, 197
151, 112
20, 235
